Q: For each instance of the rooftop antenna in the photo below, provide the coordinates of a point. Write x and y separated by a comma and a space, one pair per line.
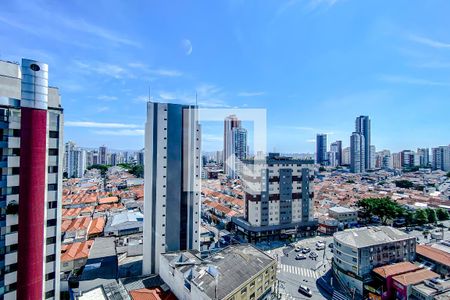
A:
196, 101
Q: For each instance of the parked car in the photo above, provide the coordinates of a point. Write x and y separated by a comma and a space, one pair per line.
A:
305, 290
313, 255
300, 257
306, 250
319, 248
298, 249
320, 243
331, 245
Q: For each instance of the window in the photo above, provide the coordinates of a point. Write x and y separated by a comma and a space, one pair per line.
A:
53, 134
50, 258
51, 222
52, 204
50, 276
53, 152
52, 187
51, 240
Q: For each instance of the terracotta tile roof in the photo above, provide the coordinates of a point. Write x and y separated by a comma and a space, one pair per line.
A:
105, 200
152, 294
97, 226
415, 277
434, 254
106, 207
396, 269
75, 251
71, 213
76, 224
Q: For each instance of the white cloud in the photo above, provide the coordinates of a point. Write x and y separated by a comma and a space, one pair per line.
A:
102, 109
250, 94
141, 98
187, 46
311, 141
411, 80
167, 95
105, 69
121, 132
89, 124
211, 137
107, 98
166, 73
428, 42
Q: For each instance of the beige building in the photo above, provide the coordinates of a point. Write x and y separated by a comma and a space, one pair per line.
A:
221, 275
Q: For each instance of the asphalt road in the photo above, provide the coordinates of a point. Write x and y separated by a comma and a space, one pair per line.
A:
292, 272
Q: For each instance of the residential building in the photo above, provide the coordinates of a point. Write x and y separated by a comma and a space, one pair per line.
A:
438, 258
140, 157
235, 146
345, 216
424, 156
31, 122
172, 181
358, 251
372, 156
441, 158
336, 148
433, 289
75, 160
278, 198
384, 160
321, 149
346, 156
397, 161
215, 277
403, 283
363, 127
407, 158
357, 153
102, 155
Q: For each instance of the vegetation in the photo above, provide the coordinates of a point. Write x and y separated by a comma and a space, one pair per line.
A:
387, 210
101, 168
136, 170
406, 184
322, 169
448, 175
350, 181
384, 208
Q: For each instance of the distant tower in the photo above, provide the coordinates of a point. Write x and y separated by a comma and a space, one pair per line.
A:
357, 153
234, 145
321, 149
362, 126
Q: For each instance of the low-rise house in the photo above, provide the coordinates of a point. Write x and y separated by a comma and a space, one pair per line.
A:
403, 283
96, 228
236, 272
437, 257
75, 255
433, 289
124, 223
346, 216
75, 230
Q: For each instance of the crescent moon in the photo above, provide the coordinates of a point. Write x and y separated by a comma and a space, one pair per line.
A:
187, 46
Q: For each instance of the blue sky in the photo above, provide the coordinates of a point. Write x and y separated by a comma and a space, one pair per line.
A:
313, 64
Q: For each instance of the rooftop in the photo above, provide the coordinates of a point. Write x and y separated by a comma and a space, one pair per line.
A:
415, 277
434, 254
341, 209
226, 264
395, 269
370, 236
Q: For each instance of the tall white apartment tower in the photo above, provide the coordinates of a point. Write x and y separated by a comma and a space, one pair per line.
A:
31, 159
172, 181
234, 146
357, 153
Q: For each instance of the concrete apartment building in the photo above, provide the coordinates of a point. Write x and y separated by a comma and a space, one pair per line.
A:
75, 160
31, 123
345, 216
234, 146
214, 277
278, 198
358, 251
172, 181
321, 149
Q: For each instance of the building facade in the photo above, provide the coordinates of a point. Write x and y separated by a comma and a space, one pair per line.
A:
31, 123
363, 127
357, 153
441, 158
235, 146
358, 251
172, 181
336, 148
278, 198
75, 160
321, 149
424, 156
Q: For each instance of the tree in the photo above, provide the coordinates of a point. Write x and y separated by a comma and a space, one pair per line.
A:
431, 215
421, 216
448, 175
384, 208
405, 184
442, 214
409, 217
322, 169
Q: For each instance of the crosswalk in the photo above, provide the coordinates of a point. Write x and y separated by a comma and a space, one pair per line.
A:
298, 271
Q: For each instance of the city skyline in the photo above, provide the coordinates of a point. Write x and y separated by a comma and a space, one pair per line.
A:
393, 62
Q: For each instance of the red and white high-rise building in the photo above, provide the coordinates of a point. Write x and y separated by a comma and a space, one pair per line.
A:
31, 154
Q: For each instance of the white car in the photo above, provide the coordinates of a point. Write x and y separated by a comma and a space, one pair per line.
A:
305, 290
